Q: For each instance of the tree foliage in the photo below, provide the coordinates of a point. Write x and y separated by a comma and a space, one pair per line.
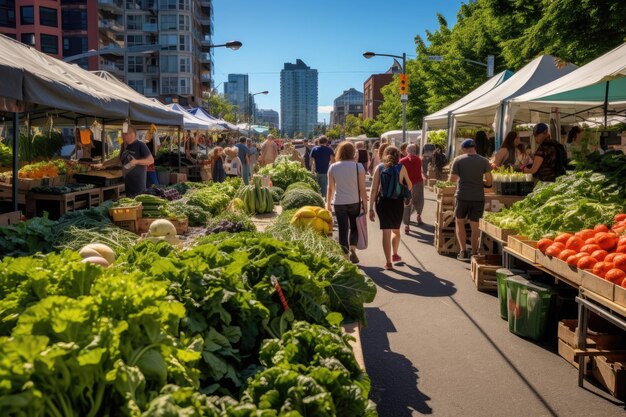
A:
515, 32
217, 105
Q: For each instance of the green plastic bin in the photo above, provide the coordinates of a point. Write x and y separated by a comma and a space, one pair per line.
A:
528, 307
501, 275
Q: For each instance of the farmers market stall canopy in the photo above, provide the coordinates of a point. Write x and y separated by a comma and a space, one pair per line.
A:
192, 122
439, 119
581, 93
38, 83
200, 113
396, 135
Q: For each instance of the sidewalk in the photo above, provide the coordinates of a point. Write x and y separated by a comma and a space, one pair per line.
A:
435, 345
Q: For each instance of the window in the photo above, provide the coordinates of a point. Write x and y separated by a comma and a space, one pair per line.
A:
183, 22
28, 39
27, 15
184, 43
185, 86
135, 64
48, 17
7, 13
74, 19
185, 64
168, 42
136, 85
168, 63
168, 22
133, 40
169, 85
49, 44
134, 22
167, 4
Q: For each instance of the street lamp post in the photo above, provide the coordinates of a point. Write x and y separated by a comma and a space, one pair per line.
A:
489, 64
250, 111
403, 97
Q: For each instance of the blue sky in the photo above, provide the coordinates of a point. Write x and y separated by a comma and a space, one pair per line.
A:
328, 35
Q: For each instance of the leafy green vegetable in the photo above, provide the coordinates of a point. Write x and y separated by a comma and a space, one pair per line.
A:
301, 197
284, 172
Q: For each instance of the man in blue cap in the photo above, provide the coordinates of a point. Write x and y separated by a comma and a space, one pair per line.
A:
468, 171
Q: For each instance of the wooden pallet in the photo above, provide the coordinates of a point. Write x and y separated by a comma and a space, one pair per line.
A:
483, 270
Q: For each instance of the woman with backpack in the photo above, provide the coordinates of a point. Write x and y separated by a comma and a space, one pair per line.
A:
390, 187
346, 190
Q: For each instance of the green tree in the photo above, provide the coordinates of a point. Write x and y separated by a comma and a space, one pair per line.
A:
334, 132
352, 126
217, 105
274, 132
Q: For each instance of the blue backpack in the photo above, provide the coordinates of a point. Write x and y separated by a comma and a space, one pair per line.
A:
390, 186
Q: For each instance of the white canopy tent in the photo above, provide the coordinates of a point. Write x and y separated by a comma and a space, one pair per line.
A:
488, 110
597, 89
204, 115
395, 136
190, 121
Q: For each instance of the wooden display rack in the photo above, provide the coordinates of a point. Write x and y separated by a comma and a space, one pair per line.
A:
66, 202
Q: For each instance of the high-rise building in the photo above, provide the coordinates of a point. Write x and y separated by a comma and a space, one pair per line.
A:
372, 96
161, 48
237, 93
298, 99
350, 102
267, 117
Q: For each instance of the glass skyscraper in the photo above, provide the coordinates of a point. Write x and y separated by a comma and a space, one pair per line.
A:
298, 99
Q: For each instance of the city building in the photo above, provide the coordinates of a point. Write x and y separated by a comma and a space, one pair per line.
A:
267, 117
237, 93
298, 99
350, 102
372, 96
161, 48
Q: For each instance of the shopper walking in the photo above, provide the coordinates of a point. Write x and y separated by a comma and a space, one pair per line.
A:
388, 193
217, 160
413, 165
253, 156
233, 163
243, 153
468, 171
362, 156
346, 191
321, 157
374, 157
269, 151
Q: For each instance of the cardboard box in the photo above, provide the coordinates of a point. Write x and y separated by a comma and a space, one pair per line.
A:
8, 219
611, 373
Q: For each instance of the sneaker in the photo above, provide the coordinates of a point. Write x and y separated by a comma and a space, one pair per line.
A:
353, 258
396, 258
462, 256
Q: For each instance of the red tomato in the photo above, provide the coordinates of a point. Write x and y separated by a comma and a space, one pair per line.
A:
586, 262
600, 228
574, 243
599, 255
616, 276
606, 241
590, 248
566, 253
620, 262
563, 238
586, 234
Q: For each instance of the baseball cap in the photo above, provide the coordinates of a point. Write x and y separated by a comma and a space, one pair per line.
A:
540, 128
468, 143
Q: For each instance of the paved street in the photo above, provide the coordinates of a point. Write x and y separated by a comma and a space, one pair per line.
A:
435, 345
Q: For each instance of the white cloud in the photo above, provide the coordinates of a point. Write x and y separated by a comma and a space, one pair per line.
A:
324, 109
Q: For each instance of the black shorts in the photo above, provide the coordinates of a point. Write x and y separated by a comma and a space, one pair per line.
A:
472, 210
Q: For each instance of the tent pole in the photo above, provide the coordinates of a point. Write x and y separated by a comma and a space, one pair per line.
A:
606, 105
16, 136
178, 148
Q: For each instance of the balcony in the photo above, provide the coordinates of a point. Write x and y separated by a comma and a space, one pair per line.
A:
150, 27
150, 92
112, 6
205, 78
152, 69
110, 26
206, 23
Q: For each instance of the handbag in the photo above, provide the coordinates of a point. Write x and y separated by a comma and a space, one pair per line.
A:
361, 220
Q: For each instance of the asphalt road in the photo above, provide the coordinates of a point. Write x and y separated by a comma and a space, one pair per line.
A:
435, 345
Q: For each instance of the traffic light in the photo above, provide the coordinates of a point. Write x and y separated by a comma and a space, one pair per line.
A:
404, 84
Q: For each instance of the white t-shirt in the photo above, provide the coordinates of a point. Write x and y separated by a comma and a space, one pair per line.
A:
346, 181
232, 166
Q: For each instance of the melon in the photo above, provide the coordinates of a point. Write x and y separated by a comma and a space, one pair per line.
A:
86, 252
162, 227
101, 250
96, 260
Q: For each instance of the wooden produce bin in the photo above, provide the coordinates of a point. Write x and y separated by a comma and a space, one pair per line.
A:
495, 231
122, 214
562, 269
177, 178
483, 270
8, 219
599, 286
611, 373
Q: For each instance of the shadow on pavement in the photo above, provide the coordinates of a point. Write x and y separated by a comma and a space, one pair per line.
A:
390, 369
419, 282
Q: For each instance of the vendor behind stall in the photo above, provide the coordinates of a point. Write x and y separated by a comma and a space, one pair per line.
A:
134, 158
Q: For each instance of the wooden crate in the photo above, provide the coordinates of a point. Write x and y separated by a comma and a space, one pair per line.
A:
569, 354
568, 332
120, 214
495, 231
611, 373
143, 225
483, 270
176, 178
130, 225
446, 244
8, 219
514, 243
597, 285
529, 251
489, 246
619, 296
445, 191
446, 221
559, 267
